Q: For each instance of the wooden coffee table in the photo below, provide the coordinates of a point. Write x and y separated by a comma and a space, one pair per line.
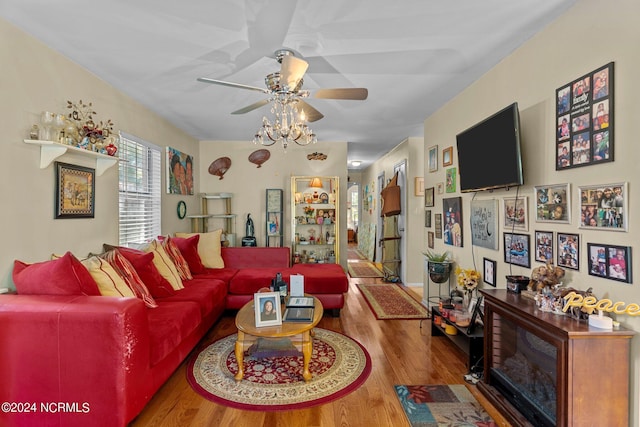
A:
300, 334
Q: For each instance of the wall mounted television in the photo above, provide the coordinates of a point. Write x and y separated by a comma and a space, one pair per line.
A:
489, 154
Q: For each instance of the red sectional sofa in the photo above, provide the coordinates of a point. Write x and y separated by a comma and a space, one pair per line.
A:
79, 360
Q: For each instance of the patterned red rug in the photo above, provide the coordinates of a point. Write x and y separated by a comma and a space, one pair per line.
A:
391, 301
339, 366
363, 269
354, 253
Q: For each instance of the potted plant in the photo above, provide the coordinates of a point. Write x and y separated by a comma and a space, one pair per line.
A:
439, 266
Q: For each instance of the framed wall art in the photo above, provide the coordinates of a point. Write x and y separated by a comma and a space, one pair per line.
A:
544, 246
452, 213
179, 172
437, 218
418, 189
516, 249
484, 223
515, 213
440, 187
489, 276
427, 218
430, 243
429, 197
569, 251
267, 309
432, 159
447, 156
451, 180
553, 203
609, 261
75, 191
604, 207
584, 120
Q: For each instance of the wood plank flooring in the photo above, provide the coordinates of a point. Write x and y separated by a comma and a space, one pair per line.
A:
402, 352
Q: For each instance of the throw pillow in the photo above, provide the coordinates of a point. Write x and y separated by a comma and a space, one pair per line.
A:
63, 276
127, 271
109, 281
209, 248
164, 264
188, 247
151, 277
178, 260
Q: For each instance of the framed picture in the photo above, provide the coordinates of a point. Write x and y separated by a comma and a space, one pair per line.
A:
75, 191
432, 159
553, 203
544, 246
440, 187
515, 213
484, 223
267, 309
452, 213
609, 261
489, 276
516, 249
179, 172
447, 156
451, 180
569, 251
604, 207
427, 218
430, 242
584, 120
437, 218
418, 189
429, 197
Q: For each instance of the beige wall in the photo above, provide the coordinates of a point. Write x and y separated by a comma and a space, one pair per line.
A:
585, 38
35, 79
248, 183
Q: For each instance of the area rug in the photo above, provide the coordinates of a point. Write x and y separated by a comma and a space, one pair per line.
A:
360, 269
390, 301
339, 366
442, 406
354, 253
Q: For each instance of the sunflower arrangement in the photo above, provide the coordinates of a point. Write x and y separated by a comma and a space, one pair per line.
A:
468, 278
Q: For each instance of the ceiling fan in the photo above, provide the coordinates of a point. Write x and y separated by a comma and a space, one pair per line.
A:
286, 87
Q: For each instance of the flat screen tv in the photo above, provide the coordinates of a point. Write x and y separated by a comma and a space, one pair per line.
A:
489, 152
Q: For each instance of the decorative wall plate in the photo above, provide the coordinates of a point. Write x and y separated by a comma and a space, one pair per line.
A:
317, 156
258, 157
220, 166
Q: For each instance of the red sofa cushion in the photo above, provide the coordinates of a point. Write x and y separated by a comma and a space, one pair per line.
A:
206, 291
224, 274
169, 324
62, 276
248, 281
127, 271
188, 247
256, 257
322, 278
143, 263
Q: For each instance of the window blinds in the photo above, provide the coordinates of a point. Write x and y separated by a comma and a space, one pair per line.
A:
139, 190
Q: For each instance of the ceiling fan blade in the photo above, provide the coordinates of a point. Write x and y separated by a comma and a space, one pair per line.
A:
357, 93
311, 114
251, 107
230, 84
292, 70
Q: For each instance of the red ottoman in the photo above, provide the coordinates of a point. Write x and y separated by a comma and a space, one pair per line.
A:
327, 282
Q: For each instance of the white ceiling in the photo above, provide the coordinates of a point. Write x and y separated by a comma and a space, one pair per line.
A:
412, 55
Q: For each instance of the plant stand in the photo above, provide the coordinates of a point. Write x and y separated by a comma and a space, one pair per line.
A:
434, 289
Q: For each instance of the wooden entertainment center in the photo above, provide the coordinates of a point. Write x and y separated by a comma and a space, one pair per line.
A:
547, 369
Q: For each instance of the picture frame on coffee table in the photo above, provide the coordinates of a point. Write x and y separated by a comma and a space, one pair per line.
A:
267, 309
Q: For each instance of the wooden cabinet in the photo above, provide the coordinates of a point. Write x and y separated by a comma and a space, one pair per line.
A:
543, 369
315, 217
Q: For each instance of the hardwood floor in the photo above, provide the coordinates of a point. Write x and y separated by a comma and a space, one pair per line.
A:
401, 351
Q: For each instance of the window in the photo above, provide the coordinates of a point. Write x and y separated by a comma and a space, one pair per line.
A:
139, 190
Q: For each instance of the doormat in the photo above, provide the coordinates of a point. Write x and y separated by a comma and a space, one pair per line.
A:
442, 405
390, 301
361, 269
